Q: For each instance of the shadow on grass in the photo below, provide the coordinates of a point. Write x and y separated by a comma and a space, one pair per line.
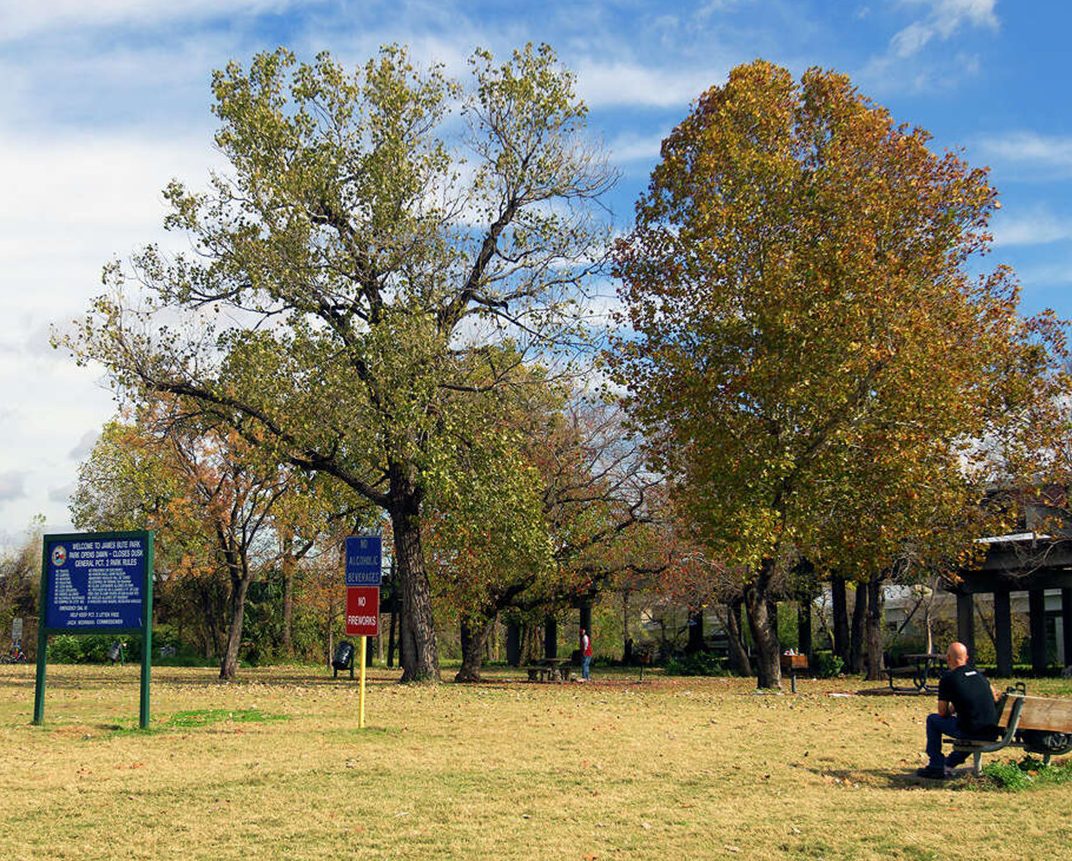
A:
894, 778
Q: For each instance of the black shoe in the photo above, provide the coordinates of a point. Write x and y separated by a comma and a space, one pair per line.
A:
931, 773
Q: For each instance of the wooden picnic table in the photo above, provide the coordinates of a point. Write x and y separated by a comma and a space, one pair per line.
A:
549, 670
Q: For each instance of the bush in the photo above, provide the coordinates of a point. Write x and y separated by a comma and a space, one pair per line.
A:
91, 648
828, 665
699, 664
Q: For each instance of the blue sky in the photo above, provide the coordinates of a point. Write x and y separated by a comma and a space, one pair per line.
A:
105, 100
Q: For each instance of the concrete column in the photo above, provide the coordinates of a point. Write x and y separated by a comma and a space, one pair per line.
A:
1003, 632
513, 644
550, 637
1036, 605
804, 628
1066, 624
586, 617
966, 621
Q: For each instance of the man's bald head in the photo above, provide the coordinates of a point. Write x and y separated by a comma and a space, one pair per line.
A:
956, 655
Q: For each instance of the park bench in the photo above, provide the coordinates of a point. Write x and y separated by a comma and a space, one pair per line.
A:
1040, 725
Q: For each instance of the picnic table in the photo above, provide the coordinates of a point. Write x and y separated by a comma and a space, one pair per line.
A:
549, 670
920, 668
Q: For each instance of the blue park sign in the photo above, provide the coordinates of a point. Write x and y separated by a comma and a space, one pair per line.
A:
364, 560
95, 583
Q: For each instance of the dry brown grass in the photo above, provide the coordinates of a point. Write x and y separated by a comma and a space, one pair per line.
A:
679, 768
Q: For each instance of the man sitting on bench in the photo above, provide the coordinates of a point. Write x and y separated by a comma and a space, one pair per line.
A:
965, 710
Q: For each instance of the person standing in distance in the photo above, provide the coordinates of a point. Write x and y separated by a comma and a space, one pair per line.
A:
586, 655
965, 710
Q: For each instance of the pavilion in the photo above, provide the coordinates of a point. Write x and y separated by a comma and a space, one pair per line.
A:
1018, 563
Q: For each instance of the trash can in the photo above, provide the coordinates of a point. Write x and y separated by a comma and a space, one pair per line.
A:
115, 652
344, 659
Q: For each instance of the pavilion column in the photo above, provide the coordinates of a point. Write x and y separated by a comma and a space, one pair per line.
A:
1003, 632
966, 621
586, 616
513, 644
1066, 624
550, 637
804, 628
1036, 607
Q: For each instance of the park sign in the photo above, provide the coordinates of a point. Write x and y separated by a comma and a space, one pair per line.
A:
362, 611
96, 583
364, 560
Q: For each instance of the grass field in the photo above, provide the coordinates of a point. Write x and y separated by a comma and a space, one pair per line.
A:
273, 766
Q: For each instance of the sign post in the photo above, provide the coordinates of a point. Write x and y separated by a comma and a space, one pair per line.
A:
364, 563
96, 583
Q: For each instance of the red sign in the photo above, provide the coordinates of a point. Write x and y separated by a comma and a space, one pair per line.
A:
362, 611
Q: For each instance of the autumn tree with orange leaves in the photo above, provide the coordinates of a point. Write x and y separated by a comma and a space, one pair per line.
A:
217, 500
814, 365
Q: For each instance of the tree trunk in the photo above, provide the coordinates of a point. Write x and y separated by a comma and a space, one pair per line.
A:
696, 633
840, 608
474, 635
874, 630
738, 656
391, 639
763, 623
856, 637
240, 578
287, 564
420, 659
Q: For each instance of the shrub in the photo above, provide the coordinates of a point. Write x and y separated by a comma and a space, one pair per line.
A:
699, 664
828, 665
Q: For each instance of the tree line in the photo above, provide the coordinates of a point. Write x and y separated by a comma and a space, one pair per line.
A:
385, 316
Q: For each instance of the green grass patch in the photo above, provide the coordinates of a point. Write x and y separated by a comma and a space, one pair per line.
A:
1028, 773
204, 717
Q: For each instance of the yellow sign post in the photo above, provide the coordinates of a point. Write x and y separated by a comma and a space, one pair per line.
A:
361, 645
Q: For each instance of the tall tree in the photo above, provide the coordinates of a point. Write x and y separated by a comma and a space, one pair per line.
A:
364, 266
813, 362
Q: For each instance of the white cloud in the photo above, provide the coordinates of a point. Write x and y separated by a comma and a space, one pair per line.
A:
906, 66
85, 445
19, 20
61, 494
633, 147
12, 485
1053, 152
945, 19
1033, 228
607, 84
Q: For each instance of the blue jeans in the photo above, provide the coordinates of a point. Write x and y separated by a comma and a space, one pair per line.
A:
586, 662
937, 726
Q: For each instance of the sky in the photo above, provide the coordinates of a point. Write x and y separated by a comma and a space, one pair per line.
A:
104, 101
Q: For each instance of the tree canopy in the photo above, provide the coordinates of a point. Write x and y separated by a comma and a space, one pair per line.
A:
377, 234
809, 353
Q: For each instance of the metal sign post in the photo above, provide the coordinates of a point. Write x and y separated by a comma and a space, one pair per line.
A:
96, 583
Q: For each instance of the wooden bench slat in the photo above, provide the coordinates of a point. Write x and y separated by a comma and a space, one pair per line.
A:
1046, 713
